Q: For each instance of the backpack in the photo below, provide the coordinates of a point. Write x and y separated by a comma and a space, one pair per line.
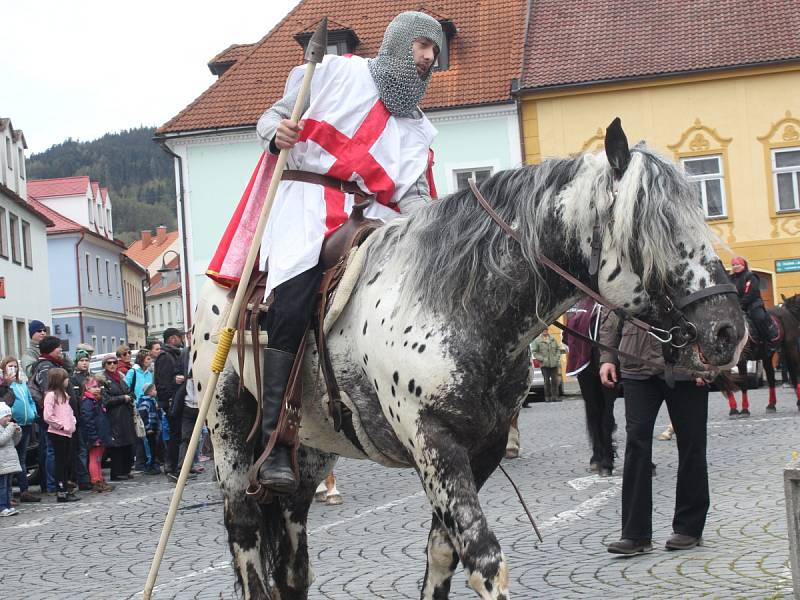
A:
35, 388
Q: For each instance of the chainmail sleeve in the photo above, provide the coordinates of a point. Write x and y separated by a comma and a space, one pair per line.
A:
416, 197
282, 109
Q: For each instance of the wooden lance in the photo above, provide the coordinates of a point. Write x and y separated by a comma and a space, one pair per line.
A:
314, 53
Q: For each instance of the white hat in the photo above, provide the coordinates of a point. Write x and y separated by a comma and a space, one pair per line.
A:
5, 410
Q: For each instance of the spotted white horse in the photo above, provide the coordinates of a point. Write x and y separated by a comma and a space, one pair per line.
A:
432, 349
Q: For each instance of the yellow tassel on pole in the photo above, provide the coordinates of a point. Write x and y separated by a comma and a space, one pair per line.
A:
224, 346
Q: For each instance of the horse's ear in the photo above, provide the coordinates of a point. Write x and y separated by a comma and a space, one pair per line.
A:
783, 298
617, 151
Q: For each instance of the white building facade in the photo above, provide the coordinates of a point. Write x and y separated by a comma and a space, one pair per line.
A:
24, 281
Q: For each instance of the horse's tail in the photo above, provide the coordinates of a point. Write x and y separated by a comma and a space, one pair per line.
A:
725, 382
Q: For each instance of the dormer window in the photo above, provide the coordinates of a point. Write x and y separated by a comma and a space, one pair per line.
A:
341, 40
442, 62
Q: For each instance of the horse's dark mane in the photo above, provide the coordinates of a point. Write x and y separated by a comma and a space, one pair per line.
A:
451, 247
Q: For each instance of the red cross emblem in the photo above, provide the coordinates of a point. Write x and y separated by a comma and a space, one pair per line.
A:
352, 156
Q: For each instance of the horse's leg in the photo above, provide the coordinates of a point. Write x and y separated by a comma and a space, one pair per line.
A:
332, 495
451, 487
285, 526
745, 412
769, 369
229, 421
512, 445
791, 357
442, 555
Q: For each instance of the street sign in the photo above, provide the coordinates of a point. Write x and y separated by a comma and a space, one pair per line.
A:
787, 265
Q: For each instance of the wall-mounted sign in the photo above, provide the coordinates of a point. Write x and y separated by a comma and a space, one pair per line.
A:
2, 287
787, 265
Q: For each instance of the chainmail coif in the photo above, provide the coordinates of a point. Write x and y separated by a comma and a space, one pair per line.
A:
394, 71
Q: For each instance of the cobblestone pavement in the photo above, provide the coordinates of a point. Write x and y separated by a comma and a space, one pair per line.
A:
372, 546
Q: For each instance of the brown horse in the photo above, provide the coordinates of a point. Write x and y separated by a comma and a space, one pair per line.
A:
787, 317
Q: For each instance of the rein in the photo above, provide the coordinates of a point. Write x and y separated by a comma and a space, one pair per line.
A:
678, 336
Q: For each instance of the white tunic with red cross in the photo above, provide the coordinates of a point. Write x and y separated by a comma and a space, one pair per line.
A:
348, 134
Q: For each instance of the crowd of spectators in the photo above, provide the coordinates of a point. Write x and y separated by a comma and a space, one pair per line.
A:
128, 416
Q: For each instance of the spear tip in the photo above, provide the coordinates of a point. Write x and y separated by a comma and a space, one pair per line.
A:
318, 43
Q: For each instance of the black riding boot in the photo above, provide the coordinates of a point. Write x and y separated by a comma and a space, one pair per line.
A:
276, 473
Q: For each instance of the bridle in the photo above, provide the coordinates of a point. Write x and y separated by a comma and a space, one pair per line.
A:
680, 333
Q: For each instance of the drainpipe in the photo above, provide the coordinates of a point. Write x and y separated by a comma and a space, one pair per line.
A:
515, 93
182, 215
80, 300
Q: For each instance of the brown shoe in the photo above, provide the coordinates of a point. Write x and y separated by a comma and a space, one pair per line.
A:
628, 547
106, 487
97, 487
679, 541
27, 496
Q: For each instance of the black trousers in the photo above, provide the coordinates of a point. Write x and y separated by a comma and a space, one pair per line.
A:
121, 460
599, 403
188, 418
61, 452
291, 310
688, 409
174, 442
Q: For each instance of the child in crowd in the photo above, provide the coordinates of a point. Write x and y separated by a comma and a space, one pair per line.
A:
97, 432
147, 406
61, 425
10, 434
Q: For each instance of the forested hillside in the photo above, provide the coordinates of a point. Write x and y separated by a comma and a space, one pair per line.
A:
137, 172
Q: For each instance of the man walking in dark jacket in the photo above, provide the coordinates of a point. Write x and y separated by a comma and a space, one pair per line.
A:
645, 389
169, 377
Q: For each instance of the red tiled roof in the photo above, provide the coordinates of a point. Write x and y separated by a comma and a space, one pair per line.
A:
485, 55
104, 192
62, 186
27, 205
232, 53
571, 43
62, 224
146, 255
95, 190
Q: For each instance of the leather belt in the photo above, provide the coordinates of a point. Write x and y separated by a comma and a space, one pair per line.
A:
348, 187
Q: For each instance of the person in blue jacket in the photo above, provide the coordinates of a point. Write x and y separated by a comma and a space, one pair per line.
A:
15, 393
138, 378
96, 432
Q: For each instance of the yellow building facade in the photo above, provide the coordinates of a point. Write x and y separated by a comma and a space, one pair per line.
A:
735, 131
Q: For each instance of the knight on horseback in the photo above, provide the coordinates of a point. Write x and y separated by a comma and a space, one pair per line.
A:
748, 285
362, 137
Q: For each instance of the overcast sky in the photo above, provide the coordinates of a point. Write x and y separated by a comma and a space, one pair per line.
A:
82, 69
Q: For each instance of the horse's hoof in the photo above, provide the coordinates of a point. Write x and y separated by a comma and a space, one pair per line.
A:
512, 452
334, 500
321, 496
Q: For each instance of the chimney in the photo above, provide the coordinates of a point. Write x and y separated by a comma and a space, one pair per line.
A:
147, 237
161, 234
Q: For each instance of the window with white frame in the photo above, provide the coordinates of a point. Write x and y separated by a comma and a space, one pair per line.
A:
16, 247
27, 251
9, 156
105, 343
464, 175
88, 273
705, 173
108, 279
786, 173
91, 209
97, 266
116, 278
3, 234
21, 158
